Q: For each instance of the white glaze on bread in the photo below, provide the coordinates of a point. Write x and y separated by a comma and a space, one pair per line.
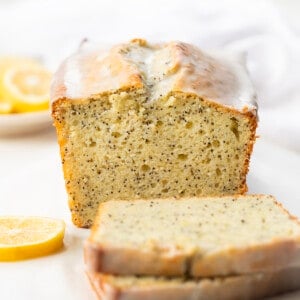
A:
157, 69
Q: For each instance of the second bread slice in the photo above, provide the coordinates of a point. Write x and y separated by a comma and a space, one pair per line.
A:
198, 237
251, 286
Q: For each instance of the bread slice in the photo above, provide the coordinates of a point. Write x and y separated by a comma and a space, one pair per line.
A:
195, 237
152, 121
243, 287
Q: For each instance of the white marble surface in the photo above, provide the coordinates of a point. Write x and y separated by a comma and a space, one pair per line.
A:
31, 181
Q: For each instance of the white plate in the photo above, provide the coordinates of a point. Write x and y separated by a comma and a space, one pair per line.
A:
24, 123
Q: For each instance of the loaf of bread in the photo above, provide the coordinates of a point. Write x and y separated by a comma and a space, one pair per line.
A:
152, 121
194, 237
243, 287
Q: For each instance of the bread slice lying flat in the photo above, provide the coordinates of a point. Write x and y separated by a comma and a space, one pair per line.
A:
197, 237
243, 287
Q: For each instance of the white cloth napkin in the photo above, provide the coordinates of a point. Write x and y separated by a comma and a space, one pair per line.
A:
54, 29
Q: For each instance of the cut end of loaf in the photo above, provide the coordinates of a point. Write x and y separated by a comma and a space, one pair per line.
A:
123, 146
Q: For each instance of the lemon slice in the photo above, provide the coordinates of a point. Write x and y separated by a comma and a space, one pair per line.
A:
28, 237
26, 85
9, 61
6, 107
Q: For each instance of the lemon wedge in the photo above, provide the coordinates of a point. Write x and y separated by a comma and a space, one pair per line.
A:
25, 84
28, 237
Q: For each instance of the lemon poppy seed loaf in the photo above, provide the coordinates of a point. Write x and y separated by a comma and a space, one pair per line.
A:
152, 121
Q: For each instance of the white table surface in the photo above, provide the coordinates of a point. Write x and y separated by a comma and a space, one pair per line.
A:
32, 184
